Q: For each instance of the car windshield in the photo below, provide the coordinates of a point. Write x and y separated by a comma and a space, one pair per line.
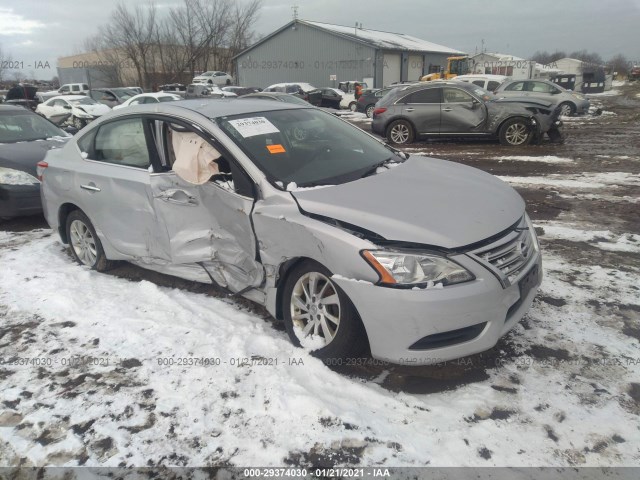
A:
26, 127
83, 101
306, 146
123, 93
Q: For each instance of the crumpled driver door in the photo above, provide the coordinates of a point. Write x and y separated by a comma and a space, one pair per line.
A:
211, 226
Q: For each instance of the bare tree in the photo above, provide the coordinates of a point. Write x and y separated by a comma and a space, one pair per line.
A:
132, 33
619, 64
5, 59
545, 58
241, 34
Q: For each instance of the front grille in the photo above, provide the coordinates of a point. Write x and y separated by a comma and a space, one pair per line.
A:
509, 256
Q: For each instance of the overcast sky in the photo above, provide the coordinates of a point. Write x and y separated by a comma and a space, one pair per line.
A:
41, 30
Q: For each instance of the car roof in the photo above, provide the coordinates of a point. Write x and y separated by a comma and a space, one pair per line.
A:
13, 109
216, 108
483, 76
68, 97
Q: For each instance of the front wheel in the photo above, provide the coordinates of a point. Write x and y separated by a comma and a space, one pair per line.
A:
85, 244
353, 106
567, 109
318, 315
400, 132
515, 132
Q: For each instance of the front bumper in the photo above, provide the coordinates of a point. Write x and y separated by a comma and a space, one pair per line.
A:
457, 321
19, 200
582, 107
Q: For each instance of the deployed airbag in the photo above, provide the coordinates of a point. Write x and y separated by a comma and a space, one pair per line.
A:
195, 157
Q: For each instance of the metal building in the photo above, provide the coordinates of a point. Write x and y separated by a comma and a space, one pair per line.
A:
324, 54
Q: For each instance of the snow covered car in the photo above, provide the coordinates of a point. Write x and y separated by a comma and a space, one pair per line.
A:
302, 90
146, 98
201, 90
214, 78
25, 138
459, 109
223, 192
76, 110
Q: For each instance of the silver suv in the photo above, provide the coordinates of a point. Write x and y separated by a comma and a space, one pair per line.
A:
570, 102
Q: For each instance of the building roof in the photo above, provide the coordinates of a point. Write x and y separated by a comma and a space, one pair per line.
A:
500, 56
384, 40
374, 38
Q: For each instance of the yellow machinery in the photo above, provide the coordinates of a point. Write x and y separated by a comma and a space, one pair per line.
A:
455, 66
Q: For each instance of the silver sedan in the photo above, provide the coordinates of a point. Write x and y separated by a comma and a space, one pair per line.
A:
351, 243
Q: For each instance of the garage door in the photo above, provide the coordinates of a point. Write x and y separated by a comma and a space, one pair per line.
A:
415, 67
391, 69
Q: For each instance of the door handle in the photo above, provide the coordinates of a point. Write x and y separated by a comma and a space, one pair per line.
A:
446, 109
177, 196
91, 187
409, 109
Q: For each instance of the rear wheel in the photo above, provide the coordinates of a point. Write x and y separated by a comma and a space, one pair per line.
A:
319, 316
369, 111
85, 244
353, 106
515, 132
567, 109
400, 132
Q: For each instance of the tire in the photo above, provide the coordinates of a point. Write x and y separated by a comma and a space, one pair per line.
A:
347, 337
515, 132
228, 82
78, 123
353, 106
84, 242
567, 109
369, 110
400, 132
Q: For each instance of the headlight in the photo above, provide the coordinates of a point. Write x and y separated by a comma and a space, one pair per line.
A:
9, 176
397, 268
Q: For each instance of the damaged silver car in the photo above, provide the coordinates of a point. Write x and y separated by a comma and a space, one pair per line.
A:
349, 241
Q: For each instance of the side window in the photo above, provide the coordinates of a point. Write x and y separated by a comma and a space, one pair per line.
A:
428, 95
75, 88
479, 83
515, 87
492, 85
453, 95
539, 87
64, 89
197, 160
122, 142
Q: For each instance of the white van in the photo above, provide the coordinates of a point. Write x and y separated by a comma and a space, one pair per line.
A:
488, 82
74, 89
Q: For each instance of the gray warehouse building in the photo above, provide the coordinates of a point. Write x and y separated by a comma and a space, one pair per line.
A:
324, 54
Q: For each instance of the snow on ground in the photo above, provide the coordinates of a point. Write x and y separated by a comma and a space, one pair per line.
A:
579, 181
603, 239
159, 383
608, 93
530, 158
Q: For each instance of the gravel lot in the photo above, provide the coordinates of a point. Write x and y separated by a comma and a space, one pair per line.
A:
562, 389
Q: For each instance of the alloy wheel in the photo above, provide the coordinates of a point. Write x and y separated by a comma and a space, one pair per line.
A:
565, 110
83, 243
400, 133
369, 111
517, 134
315, 308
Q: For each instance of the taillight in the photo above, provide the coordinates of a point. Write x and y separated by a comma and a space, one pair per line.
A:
40, 166
379, 110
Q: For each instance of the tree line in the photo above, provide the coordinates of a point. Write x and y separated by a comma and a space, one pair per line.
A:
156, 48
618, 63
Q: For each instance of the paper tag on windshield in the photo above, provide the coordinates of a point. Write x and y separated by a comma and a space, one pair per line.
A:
250, 127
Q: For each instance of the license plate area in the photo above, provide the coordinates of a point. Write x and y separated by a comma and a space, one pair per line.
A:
529, 281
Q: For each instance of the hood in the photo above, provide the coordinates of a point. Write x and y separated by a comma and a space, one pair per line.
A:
98, 109
25, 155
21, 92
424, 200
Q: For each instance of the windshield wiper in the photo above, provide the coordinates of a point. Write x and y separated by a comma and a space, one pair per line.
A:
374, 169
400, 153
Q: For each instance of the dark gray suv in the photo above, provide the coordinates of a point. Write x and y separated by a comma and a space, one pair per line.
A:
456, 109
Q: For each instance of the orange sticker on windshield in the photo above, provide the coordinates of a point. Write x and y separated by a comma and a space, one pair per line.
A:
276, 148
